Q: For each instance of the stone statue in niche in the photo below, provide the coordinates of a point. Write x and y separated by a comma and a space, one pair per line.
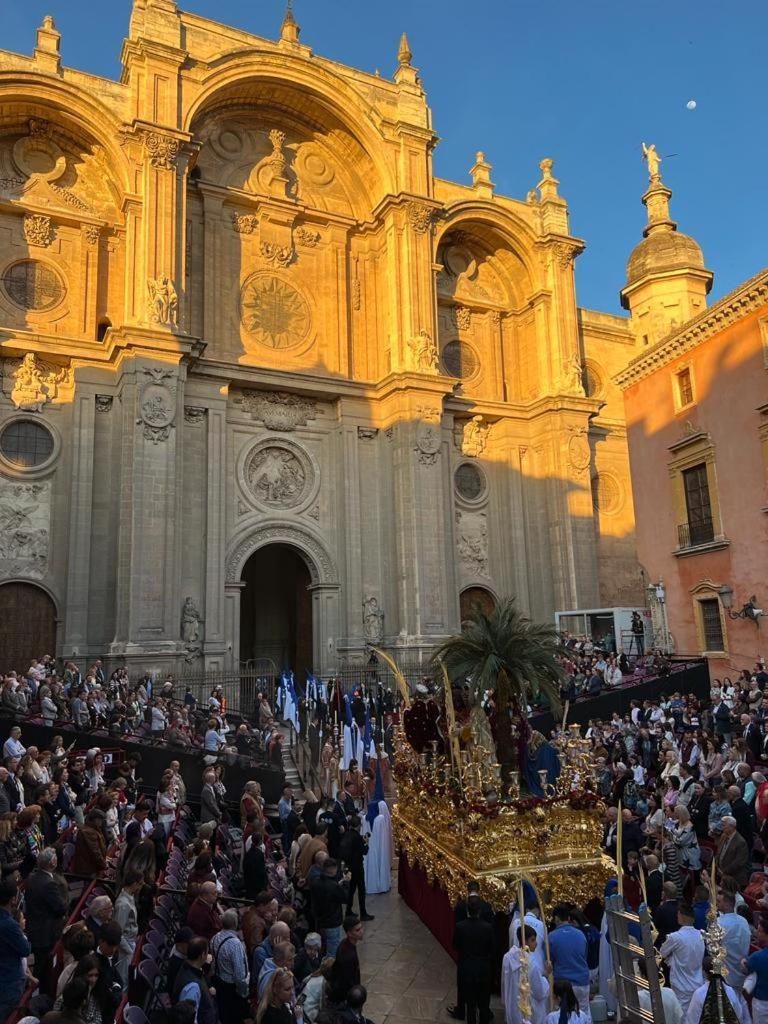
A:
373, 619
163, 301
424, 352
575, 375
190, 622
474, 437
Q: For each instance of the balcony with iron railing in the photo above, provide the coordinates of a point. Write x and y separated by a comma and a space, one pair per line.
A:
699, 534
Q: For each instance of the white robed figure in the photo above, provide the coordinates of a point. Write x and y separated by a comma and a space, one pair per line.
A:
378, 821
510, 987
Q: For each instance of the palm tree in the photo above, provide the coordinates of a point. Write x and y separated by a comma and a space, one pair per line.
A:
516, 658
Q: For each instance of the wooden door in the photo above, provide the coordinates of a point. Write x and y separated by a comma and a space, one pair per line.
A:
27, 625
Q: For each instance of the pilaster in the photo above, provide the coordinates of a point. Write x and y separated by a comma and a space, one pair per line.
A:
75, 638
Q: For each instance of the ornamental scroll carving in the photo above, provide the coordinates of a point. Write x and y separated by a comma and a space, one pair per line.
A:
38, 230
304, 236
277, 255
245, 223
25, 512
91, 234
321, 568
36, 382
162, 151
420, 217
279, 410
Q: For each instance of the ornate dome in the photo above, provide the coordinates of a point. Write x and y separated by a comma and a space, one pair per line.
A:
664, 250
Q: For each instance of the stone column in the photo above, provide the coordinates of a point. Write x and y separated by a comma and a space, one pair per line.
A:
325, 626
80, 513
148, 600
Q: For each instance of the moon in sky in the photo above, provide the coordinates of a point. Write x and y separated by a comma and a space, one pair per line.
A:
691, 104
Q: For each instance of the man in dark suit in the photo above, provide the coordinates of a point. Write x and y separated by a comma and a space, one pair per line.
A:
665, 916
345, 973
741, 811
46, 901
11, 784
473, 942
346, 801
473, 892
353, 850
752, 735
460, 914
654, 882
722, 718
109, 988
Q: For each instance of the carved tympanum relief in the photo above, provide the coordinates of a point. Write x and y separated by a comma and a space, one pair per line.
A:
25, 512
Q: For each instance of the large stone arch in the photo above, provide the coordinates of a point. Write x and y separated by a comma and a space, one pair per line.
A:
322, 569
323, 87
70, 106
504, 224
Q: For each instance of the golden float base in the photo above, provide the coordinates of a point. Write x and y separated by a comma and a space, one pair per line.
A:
552, 844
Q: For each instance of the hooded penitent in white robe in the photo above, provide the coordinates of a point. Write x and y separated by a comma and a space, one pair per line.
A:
378, 861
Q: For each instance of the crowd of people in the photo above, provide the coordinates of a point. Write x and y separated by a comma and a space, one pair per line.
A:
268, 908
688, 780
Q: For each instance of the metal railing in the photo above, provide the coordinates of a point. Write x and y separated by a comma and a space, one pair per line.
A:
239, 688
690, 535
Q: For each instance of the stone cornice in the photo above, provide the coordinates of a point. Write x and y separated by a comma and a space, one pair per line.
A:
745, 299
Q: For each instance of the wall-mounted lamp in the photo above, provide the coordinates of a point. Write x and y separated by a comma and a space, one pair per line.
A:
749, 610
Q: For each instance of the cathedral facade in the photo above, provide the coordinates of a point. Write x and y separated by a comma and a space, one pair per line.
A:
271, 389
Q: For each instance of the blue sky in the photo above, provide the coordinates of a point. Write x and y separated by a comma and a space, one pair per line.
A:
582, 81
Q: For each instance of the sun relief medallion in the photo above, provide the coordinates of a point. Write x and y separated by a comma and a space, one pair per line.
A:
274, 312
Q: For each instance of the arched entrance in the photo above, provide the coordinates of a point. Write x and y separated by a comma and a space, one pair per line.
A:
476, 596
276, 609
27, 625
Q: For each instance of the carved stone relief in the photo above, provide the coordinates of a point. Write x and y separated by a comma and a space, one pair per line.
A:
25, 512
423, 351
277, 255
307, 237
103, 403
278, 475
420, 217
195, 414
274, 312
427, 444
161, 150
279, 410
35, 382
157, 406
367, 433
472, 437
162, 301
472, 542
373, 619
245, 223
579, 454
38, 229
91, 234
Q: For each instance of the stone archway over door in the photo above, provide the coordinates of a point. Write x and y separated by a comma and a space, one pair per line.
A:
276, 610
27, 625
473, 596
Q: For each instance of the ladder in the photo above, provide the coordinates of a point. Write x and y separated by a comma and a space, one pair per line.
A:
626, 951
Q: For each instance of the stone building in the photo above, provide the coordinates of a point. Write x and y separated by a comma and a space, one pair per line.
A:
697, 421
269, 387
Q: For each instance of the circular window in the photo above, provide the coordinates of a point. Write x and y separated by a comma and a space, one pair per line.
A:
32, 285
469, 481
593, 380
606, 493
460, 359
26, 444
